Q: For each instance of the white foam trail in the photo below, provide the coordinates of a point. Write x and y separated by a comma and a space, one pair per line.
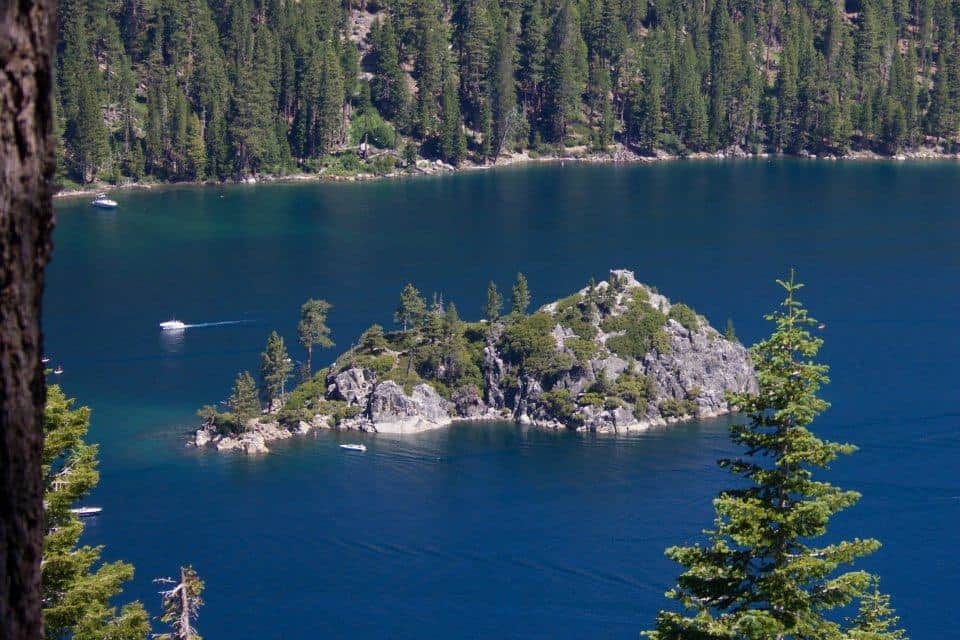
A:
214, 324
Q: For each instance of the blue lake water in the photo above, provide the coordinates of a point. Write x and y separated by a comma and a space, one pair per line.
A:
493, 530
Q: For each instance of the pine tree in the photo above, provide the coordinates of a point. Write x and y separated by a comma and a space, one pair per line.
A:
453, 144
566, 72
390, 93
181, 604
76, 595
520, 296
758, 578
412, 310
430, 62
243, 402
473, 34
312, 329
532, 49
730, 333
329, 121
275, 368
494, 303
876, 618
503, 91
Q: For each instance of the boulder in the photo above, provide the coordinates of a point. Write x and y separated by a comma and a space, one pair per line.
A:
352, 385
392, 411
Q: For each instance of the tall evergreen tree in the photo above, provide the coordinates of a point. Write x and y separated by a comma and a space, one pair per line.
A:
243, 402
759, 577
492, 308
453, 145
519, 296
566, 72
312, 329
412, 310
275, 368
77, 594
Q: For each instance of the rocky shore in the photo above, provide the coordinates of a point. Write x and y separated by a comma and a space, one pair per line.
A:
596, 377
618, 153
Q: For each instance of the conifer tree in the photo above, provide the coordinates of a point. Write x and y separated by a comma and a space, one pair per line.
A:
275, 368
503, 91
566, 72
243, 402
491, 309
389, 89
520, 296
312, 330
77, 595
532, 49
876, 618
181, 604
453, 144
758, 578
412, 310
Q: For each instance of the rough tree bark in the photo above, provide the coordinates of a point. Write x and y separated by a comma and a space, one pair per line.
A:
27, 39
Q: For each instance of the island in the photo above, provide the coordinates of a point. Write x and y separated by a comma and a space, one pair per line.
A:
614, 357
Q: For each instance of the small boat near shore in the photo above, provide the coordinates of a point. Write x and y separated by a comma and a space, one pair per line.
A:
354, 447
172, 325
103, 202
86, 512
58, 370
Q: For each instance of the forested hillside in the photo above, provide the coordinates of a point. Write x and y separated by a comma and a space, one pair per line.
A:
217, 89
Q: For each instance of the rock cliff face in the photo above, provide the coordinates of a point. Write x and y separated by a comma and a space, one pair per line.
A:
614, 357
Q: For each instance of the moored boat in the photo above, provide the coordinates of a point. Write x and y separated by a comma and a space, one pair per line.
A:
103, 202
354, 447
86, 512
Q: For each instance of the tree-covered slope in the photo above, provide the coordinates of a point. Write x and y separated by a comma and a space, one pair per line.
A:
212, 89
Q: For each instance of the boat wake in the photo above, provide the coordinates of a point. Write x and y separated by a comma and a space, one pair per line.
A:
222, 323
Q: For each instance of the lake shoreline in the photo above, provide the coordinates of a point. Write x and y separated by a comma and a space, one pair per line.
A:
619, 155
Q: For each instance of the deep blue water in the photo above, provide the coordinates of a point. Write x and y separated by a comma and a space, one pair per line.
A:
494, 531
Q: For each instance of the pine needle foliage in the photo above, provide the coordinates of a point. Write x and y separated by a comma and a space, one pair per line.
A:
77, 589
760, 576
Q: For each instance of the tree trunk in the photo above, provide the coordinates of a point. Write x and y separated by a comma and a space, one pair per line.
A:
27, 37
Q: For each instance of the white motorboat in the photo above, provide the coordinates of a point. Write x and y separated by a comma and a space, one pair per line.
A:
172, 325
86, 512
45, 359
354, 447
58, 370
103, 202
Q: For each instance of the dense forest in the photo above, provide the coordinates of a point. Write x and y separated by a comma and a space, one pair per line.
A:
219, 89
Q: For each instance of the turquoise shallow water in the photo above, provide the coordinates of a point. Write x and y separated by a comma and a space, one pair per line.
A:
491, 530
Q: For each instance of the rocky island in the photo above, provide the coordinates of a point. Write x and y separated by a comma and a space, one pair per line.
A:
614, 357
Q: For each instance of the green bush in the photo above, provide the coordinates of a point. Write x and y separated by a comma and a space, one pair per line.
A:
559, 405
379, 132
673, 408
583, 350
224, 424
685, 316
573, 312
612, 403
635, 389
345, 163
528, 344
591, 399
380, 365
642, 327
383, 164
